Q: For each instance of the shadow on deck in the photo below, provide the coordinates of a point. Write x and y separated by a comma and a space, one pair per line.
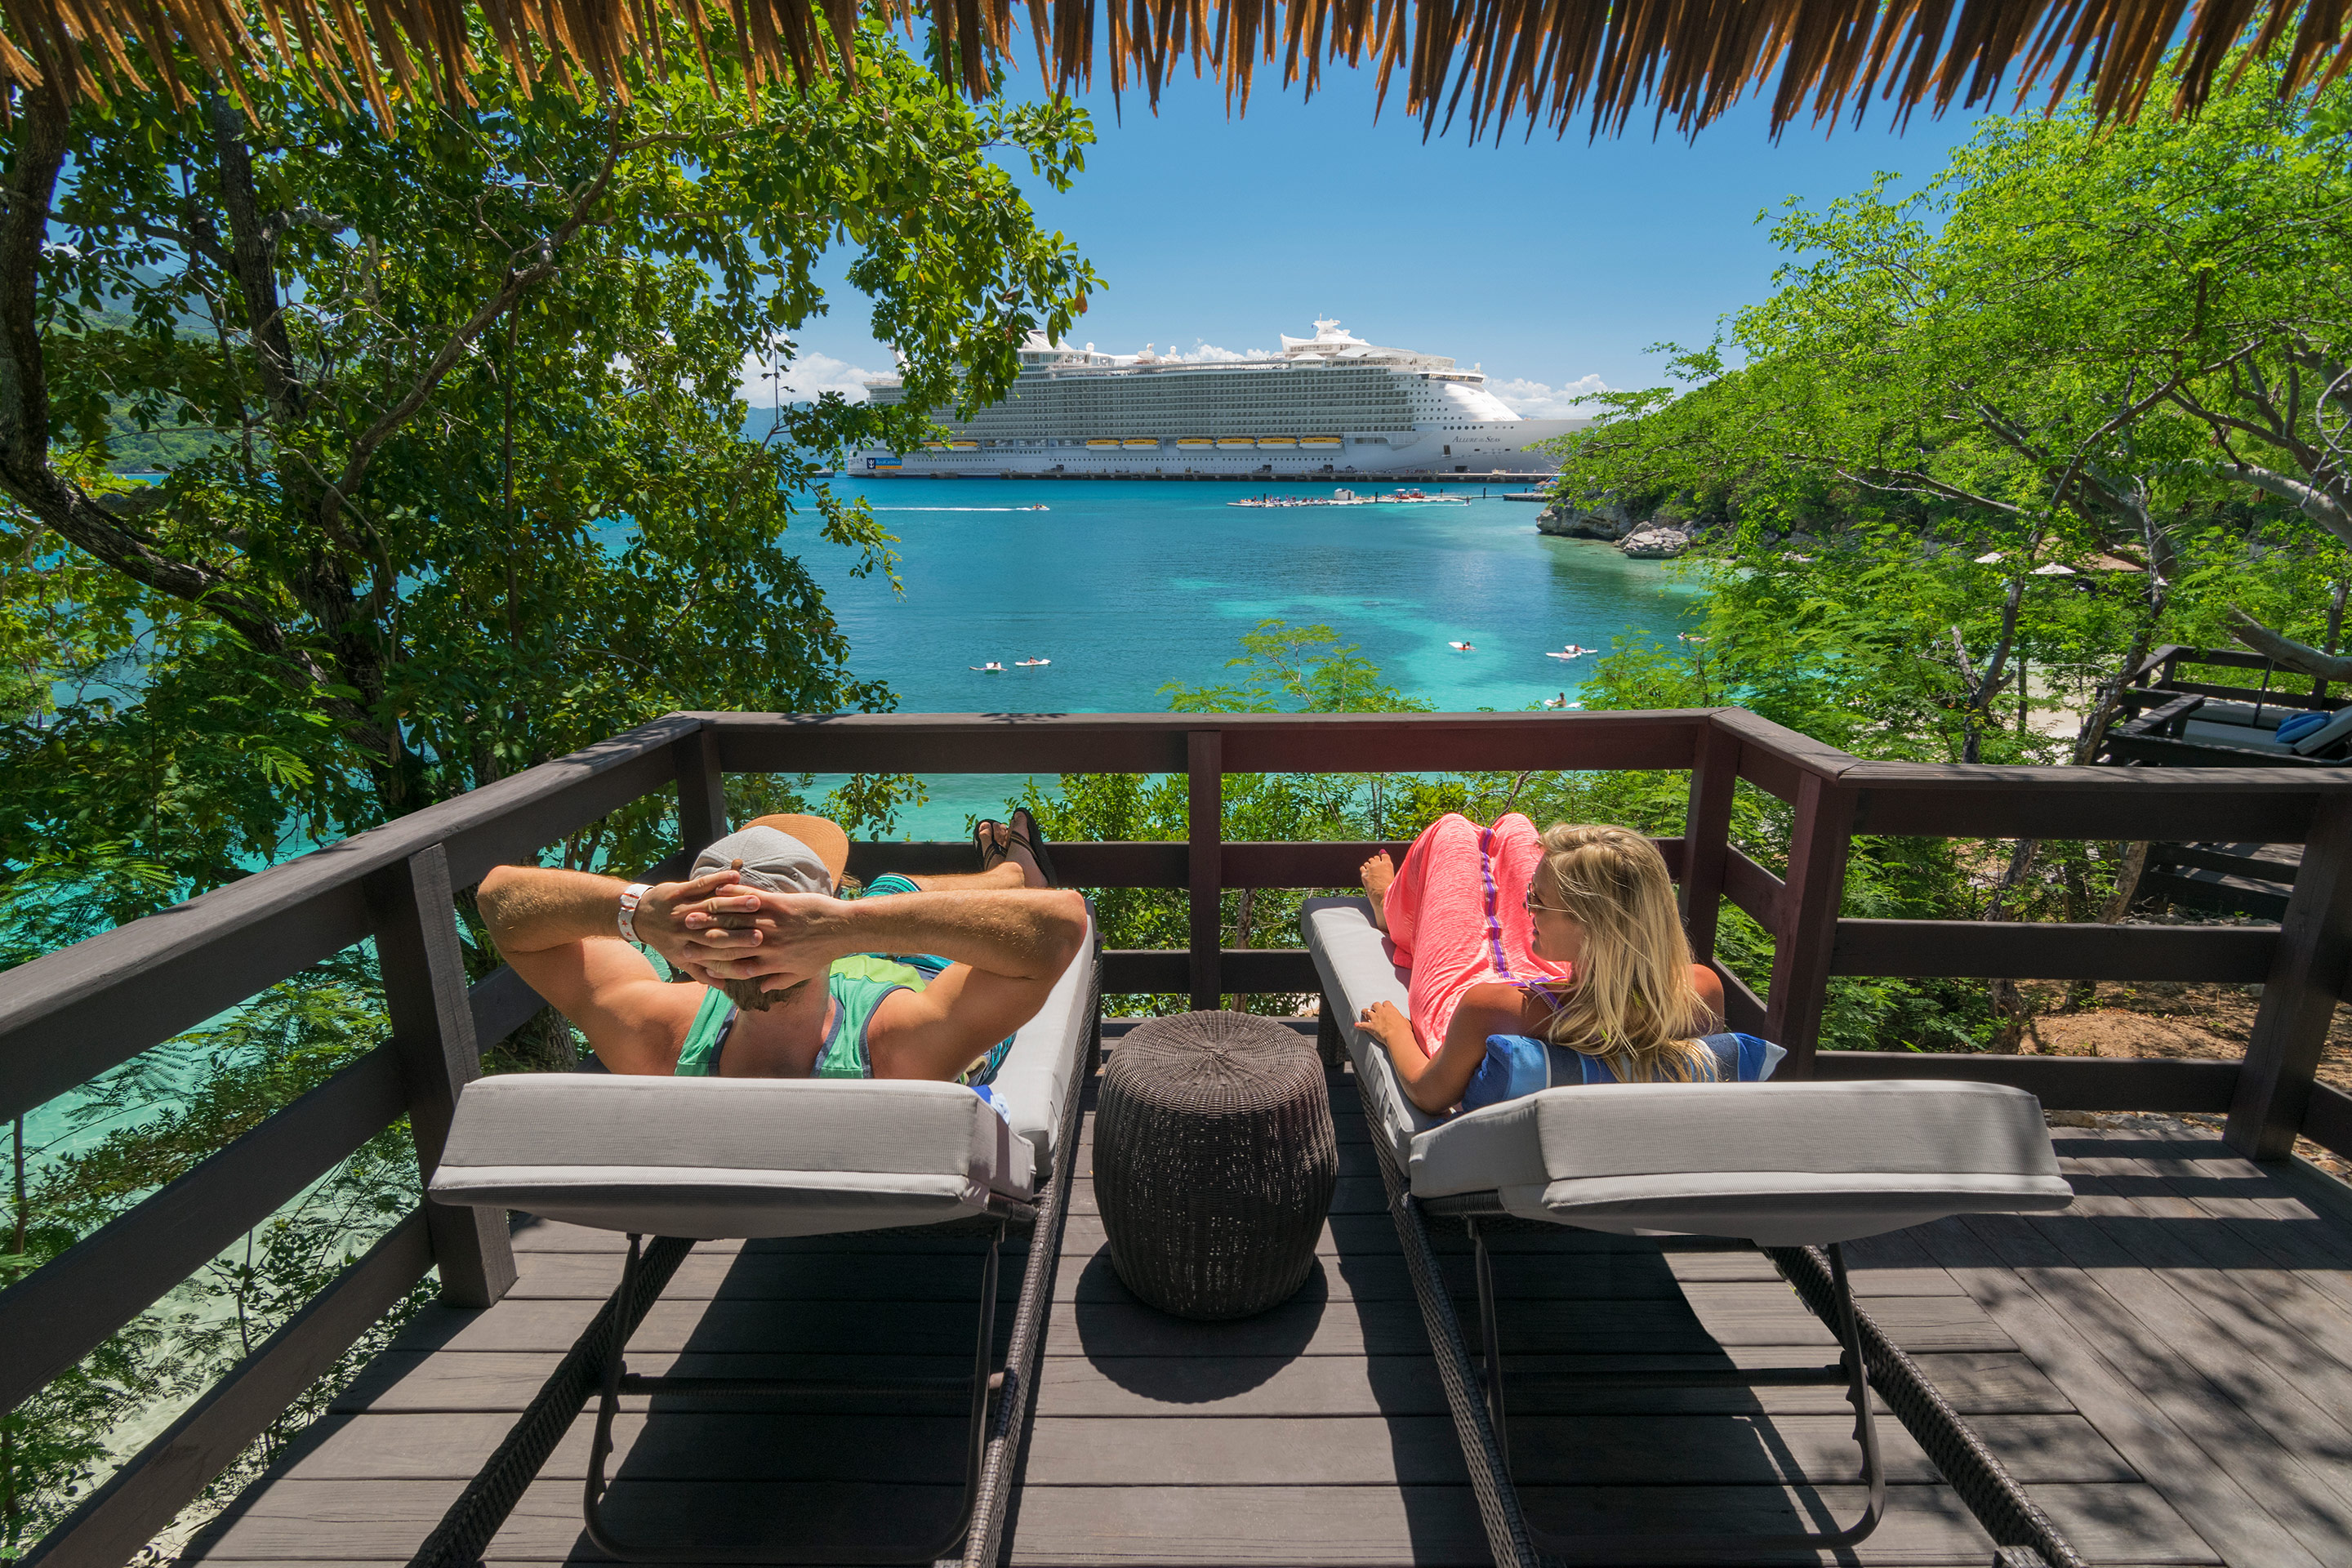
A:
2167, 1367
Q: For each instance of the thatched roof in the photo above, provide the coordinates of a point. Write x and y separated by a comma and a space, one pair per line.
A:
1564, 63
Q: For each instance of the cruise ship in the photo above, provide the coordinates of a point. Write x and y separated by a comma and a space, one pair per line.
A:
1331, 404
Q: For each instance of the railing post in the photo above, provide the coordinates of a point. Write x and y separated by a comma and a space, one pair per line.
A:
1707, 836
1205, 776
701, 790
2299, 997
432, 1033
1801, 953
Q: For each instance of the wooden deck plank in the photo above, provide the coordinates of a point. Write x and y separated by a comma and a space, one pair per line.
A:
416, 1381
2284, 1248
1069, 1527
2177, 1358
770, 1276
1414, 1525
776, 1445
2224, 1512
1317, 1434
2298, 1387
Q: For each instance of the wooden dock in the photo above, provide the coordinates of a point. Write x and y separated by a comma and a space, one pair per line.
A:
2167, 1367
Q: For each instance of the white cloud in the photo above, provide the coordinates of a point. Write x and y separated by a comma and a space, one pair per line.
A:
1204, 352
803, 378
1534, 400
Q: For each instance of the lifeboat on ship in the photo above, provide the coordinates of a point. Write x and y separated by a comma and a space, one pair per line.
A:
1319, 443
1144, 443
963, 445
1195, 443
1236, 442
1102, 445
1279, 443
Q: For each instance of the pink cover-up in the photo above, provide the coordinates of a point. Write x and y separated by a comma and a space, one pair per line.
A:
1456, 916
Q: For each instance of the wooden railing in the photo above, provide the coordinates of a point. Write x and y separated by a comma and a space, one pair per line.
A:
2161, 670
72, 1015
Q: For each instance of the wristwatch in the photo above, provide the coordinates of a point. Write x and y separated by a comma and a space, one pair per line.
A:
631, 897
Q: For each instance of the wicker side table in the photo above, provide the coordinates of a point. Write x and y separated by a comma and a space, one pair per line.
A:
1214, 1163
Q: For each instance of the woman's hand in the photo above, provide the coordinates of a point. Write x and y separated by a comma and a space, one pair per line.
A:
1386, 1023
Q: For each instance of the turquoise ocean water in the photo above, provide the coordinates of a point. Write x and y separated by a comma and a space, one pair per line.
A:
1129, 587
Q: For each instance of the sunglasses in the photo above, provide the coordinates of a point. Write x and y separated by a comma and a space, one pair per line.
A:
1531, 906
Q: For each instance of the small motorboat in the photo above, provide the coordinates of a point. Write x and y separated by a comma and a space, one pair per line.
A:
1031, 663
1463, 646
1038, 505
990, 667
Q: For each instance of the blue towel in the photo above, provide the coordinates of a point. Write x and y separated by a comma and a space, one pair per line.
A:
2302, 724
1516, 1065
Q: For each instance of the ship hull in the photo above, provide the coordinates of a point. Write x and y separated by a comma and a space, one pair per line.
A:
1494, 449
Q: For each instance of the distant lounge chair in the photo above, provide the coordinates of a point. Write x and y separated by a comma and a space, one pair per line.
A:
1792, 1167
710, 1158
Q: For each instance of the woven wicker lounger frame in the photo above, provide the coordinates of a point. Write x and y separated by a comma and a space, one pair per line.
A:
2023, 1533
999, 1399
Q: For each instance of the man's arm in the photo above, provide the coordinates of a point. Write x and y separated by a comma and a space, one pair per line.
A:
1008, 948
560, 932
1020, 933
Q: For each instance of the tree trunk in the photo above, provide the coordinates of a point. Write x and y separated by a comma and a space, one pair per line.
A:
2008, 1003
1244, 907
2128, 877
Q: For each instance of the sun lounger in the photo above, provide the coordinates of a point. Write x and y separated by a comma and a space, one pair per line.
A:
707, 1158
1795, 1168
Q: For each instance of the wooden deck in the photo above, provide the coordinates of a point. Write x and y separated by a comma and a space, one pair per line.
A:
2167, 1367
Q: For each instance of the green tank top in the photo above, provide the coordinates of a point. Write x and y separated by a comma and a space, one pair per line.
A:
856, 983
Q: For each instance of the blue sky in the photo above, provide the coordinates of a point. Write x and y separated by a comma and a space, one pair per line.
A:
1548, 262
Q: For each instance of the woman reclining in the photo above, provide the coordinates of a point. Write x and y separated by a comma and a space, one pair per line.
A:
1567, 939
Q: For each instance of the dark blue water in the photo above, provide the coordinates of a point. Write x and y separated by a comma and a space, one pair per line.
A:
1129, 586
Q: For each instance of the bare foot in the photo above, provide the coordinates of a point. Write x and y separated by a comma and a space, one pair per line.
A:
1378, 872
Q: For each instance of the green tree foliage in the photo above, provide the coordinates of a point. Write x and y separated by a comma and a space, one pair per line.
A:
2077, 347
1988, 440
1281, 668
481, 493
458, 481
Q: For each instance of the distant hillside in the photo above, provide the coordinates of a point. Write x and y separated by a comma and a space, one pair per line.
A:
137, 451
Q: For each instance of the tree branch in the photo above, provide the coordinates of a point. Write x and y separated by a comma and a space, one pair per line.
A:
253, 262
2314, 503
1922, 484
26, 475
2287, 650
363, 450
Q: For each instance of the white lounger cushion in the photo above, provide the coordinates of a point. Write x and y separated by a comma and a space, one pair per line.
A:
1037, 1076
2245, 737
1780, 1164
1354, 961
709, 1157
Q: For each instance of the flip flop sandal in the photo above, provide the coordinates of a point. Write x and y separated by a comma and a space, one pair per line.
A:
1026, 834
992, 854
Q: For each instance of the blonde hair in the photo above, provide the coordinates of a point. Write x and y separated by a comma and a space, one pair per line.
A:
1631, 1001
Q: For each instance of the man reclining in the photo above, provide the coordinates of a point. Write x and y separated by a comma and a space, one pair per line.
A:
927, 983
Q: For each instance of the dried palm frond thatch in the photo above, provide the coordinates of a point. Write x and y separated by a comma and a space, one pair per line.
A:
1556, 62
